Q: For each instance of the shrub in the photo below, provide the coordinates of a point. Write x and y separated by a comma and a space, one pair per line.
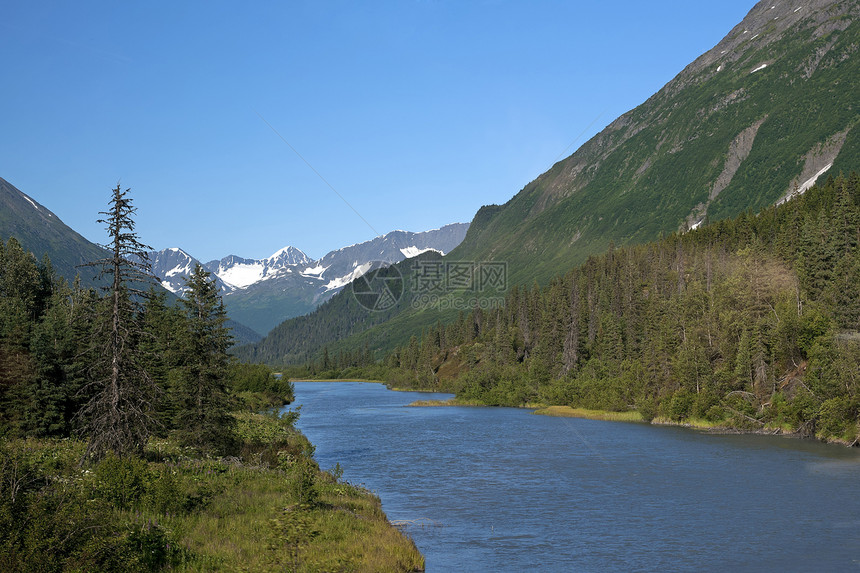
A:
648, 408
259, 378
679, 406
834, 416
715, 414
121, 481
703, 403
303, 476
155, 546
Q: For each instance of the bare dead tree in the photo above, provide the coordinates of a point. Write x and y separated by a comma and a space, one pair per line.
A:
117, 416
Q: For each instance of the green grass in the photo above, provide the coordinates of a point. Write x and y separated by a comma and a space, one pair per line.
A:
255, 525
270, 508
695, 423
569, 412
448, 402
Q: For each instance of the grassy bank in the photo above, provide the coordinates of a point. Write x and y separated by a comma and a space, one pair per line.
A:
336, 380
268, 508
569, 412
694, 423
448, 402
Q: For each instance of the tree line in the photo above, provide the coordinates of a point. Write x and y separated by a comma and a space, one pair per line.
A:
118, 366
752, 321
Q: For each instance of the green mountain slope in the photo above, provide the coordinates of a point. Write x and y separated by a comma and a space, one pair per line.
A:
750, 122
745, 323
41, 232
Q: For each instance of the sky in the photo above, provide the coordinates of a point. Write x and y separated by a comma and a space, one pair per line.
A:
243, 127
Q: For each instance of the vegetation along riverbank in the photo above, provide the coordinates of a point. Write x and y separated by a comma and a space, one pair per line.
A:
746, 324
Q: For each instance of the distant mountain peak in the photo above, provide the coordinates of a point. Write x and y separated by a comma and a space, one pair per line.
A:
263, 292
293, 255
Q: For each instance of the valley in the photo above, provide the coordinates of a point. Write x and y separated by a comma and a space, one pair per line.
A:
695, 264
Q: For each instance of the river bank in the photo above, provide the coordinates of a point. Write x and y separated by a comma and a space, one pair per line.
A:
630, 416
501, 489
267, 507
633, 416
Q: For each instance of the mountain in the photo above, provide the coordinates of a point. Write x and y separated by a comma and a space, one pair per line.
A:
340, 267
171, 266
239, 273
760, 117
261, 293
42, 232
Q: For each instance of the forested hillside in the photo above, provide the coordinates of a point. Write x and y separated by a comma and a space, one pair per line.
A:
749, 322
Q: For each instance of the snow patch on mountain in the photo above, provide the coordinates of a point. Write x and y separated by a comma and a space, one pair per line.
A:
33, 203
243, 275
341, 282
410, 252
184, 271
807, 185
316, 272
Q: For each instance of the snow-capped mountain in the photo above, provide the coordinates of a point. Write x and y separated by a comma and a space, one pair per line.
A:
231, 273
341, 267
261, 293
172, 266
241, 273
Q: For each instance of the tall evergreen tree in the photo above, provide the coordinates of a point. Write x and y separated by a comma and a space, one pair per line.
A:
202, 395
50, 401
117, 416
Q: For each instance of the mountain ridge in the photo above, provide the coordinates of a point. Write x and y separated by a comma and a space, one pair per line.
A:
41, 232
261, 293
747, 123
733, 130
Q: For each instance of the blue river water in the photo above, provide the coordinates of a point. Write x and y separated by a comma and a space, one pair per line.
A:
500, 489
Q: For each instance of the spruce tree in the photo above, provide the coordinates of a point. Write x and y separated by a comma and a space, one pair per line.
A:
201, 391
117, 416
50, 401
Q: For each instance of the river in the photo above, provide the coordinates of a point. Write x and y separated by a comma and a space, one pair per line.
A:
500, 489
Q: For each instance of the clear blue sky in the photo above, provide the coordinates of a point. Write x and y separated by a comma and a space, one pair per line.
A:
416, 112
